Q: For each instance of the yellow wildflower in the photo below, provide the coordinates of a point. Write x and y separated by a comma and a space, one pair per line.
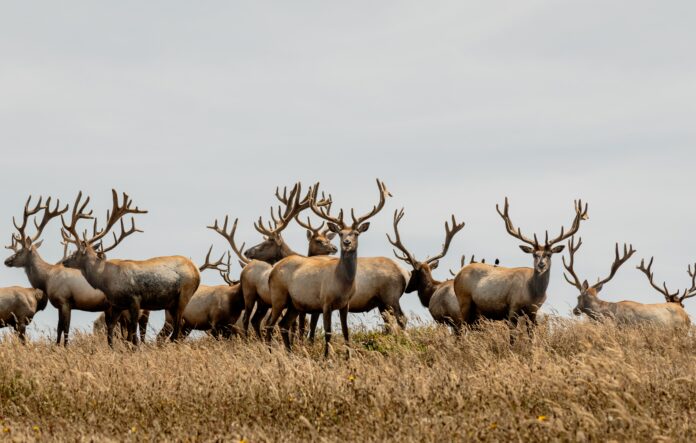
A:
542, 418
493, 425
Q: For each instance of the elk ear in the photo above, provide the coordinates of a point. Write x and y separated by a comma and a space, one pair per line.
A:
364, 227
557, 249
526, 249
598, 287
434, 264
27, 243
330, 235
38, 244
585, 285
333, 227
96, 247
309, 234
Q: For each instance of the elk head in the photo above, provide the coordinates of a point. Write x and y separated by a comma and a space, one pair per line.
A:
588, 300
273, 248
422, 270
91, 249
319, 240
542, 253
348, 233
25, 245
670, 297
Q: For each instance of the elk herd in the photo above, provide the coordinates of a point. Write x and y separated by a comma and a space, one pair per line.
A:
284, 287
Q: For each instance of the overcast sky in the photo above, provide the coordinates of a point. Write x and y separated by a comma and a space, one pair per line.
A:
200, 110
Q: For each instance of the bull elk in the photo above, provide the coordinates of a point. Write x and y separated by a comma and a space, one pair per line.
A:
67, 289
438, 296
673, 299
213, 309
158, 283
18, 307
500, 293
258, 260
320, 284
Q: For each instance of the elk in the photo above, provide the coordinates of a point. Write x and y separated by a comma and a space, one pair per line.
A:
500, 293
320, 284
18, 307
438, 296
158, 283
214, 309
258, 261
672, 298
67, 289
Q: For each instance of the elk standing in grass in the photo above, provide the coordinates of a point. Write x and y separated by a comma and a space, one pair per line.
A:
320, 284
213, 309
158, 283
66, 288
675, 302
437, 296
259, 260
18, 307
499, 293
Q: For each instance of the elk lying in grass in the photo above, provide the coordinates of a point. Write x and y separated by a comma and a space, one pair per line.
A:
500, 293
66, 288
259, 260
158, 283
320, 284
213, 309
623, 312
123, 320
18, 307
437, 296
673, 299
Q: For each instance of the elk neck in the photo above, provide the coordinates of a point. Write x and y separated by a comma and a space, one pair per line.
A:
285, 251
539, 283
347, 267
596, 308
38, 271
427, 287
94, 270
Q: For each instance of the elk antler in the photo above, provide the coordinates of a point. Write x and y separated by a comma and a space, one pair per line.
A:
48, 215
670, 297
293, 206
473, 260
628, 251
113, 216
405, 256
221, 266
691, 292
383, 194
69, 232
243, 261
580, 214
449, 235
572, 249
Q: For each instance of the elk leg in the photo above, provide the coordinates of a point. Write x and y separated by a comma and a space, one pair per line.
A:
110, 317
313, 320
261, 310
249, 302
61, 321
400, 317
166, 328
288, 322
21, 330
66, 311
327, 329
134, 312
270, 324
343, 313
303, 326
177, 315
142, 324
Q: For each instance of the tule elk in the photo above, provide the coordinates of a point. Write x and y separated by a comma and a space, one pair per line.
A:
18, 307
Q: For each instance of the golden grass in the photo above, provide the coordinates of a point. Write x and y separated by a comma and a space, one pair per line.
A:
572, 381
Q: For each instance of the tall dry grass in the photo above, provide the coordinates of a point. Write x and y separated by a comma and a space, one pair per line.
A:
572, 381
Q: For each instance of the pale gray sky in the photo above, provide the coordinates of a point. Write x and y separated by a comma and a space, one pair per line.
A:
201, 110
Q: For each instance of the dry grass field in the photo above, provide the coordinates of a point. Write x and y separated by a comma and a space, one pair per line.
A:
572, 381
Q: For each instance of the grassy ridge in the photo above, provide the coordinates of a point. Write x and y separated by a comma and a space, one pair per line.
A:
572, 381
